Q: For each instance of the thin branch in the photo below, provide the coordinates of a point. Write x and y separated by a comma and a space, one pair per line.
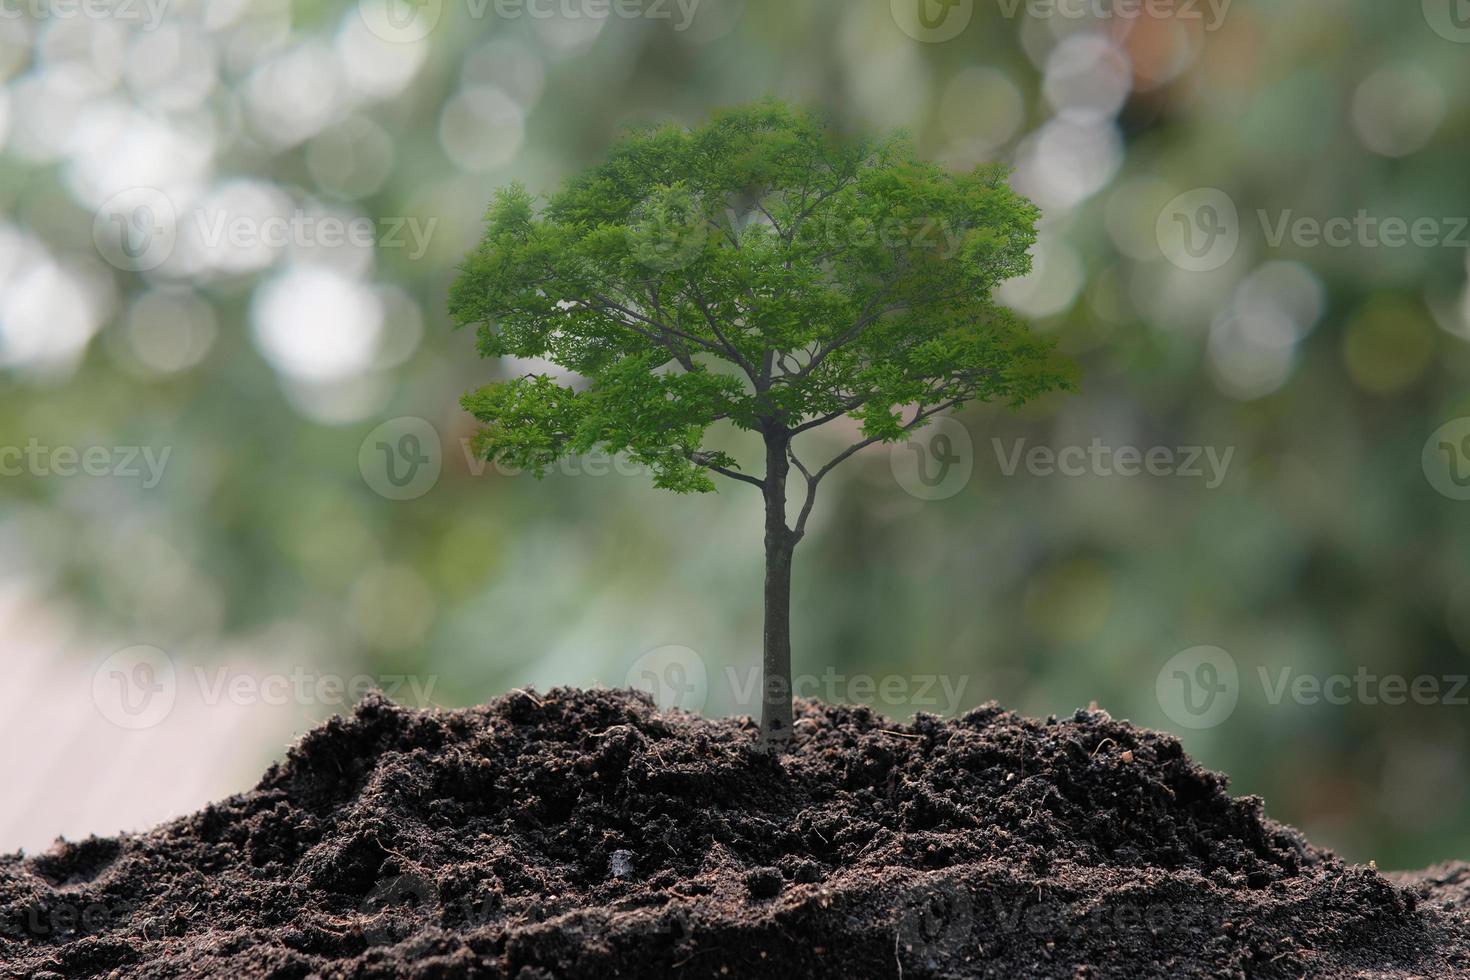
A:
762, 209
682, 355
846, 337
812, 479
796, 461
732, 234
663, 328
714, 325
848, 406
700, 459
807, 211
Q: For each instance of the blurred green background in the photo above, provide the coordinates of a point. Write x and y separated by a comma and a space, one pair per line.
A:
1331, 545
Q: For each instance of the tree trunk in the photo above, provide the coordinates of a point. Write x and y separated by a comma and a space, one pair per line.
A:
780, 543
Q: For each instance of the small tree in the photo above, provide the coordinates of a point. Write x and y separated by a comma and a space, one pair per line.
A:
758, 271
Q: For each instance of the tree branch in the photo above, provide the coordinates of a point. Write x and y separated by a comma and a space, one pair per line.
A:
846, 337
774, 224
848, 406
714, 325
791, 454
812, 479
700, 459
663, 328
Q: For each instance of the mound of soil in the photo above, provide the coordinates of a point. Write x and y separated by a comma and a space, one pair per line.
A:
584, 834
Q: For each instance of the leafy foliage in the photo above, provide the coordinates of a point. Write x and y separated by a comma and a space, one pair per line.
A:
758, 270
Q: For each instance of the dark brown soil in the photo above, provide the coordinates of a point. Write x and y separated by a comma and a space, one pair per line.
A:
586, 835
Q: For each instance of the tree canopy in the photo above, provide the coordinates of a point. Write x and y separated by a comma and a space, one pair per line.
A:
759, 270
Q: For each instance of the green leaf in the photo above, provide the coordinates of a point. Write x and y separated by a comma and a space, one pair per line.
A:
761, 270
